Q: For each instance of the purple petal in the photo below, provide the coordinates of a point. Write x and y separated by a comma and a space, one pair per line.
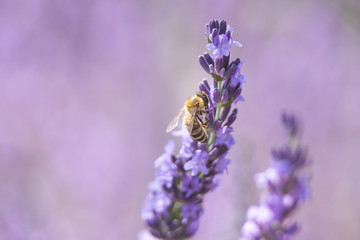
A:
238, 44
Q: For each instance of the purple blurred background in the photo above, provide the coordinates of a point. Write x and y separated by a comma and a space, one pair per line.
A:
88, 87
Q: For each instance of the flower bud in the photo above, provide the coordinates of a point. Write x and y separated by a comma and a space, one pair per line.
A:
225, 113
214, 36
213, 153
215, 95
222, 27
218, 63
206, 83
203, 88
222, 72
231, 118
226, 61
217, 124
204, 64
236, 93
225, 96
230, 71
208, 58
211, 67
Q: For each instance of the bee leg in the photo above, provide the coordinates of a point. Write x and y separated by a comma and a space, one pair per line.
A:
205, 111
204, 123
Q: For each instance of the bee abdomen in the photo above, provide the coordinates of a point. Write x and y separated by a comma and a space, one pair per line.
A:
198, 133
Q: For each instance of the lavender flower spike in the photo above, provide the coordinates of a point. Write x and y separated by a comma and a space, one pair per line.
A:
285, 187
174, 204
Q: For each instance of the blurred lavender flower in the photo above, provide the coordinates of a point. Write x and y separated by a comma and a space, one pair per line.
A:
174, 204
284, 188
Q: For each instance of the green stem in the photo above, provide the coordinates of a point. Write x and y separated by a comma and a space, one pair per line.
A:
217, 116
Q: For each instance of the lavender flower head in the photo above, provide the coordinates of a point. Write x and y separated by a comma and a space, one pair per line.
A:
284, 188
219, 38
173, 206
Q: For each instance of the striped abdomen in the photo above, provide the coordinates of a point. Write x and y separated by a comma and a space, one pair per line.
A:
197, 131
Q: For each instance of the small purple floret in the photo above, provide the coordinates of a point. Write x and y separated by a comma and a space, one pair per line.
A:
190, 185
224, 136
198, 163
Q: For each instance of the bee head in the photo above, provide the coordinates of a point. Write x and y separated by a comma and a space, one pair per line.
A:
204, 97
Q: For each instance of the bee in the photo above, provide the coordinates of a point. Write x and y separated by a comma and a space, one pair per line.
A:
195, 120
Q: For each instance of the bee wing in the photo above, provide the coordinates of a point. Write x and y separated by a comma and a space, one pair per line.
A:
193, 115
175, 121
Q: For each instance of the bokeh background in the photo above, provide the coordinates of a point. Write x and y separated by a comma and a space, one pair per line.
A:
88, 87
